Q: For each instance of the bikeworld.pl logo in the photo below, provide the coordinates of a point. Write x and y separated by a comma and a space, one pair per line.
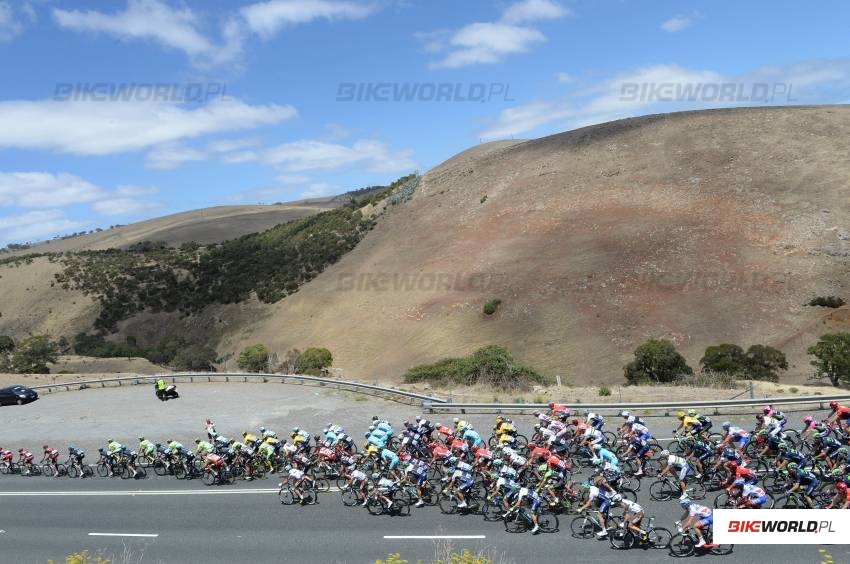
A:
781, 526
423, 92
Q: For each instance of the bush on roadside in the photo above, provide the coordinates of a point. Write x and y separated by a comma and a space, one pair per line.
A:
491, 365
827, 301
604, 391
491, 306
656, 361
313, 361
254, 358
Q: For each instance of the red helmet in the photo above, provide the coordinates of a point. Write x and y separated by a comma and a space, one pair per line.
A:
833, 405
551, 404
575, 422
733, 465
841, 486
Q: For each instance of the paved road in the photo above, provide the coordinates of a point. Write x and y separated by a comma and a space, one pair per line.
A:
46, 518
197, 524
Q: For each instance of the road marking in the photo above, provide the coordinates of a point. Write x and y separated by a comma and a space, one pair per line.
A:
137, 492
145, 535
429, 537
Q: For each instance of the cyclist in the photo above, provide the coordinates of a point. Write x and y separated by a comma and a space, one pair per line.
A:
595, 420
827, 447
417, 469
632, 516
688, 424
607, 459
735, 436
675, 465
842, 497
214, 463
740, 474
472, 438
115, 451
25, 459
209, 427
266, 433
297, 477
699, 516
300, 438
788, 454
699, 451
840, 414
751, 497
532, 498
814, 428
384, 489
76, 457
202, 448
803, 480
146, 449
463, 475
249, 439
602, 499
51, 455
771, 442
390, 460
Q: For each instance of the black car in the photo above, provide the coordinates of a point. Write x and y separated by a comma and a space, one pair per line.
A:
17, 395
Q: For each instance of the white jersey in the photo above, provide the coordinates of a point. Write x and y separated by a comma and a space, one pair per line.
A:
631, 506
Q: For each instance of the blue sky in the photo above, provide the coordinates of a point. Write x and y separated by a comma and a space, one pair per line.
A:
280, 133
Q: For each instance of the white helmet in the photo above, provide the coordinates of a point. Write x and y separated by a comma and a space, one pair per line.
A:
625, 414
664, 453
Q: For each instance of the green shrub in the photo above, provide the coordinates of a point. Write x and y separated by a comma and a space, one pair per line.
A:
827, 301
793, 389
254, 358
604, 391
313, 361
491, 306
491, 365
832, 357
656, 361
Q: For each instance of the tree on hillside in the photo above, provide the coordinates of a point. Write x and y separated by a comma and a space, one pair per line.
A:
195, 357
657, 360
7, 344
726, 358
763, 362
313, 360
254, 358
33, 354
832, 357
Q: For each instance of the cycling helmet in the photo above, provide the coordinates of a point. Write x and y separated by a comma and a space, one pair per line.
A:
406, 422
584, 486
498, 462
325, 430
783, 446
288, 467
685, 502
574, 421
537, 427
680, 414
807, 419
452, 460
296, 429
197, 441
690, 441
759, 417
158, 445
842, 451
366, 434
726, 425
833, 405
418, 418
617, 498
764, 433
766, 409
455, 420
376, 475
597, 447
624, 414
596, 461
44, 447
793, 467
664, 453
372, 427
20, 450
692, 412
841, 486
141, 439
733, 465
535, 413
108, 440
244, 433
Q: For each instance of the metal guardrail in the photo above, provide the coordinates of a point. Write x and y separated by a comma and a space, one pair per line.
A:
190, 377
448, 407
432, 404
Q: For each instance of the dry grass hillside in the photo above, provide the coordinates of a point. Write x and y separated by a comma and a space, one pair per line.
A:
596, 240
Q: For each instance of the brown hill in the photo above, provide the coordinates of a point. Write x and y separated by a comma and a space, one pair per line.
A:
596, 240
700, 227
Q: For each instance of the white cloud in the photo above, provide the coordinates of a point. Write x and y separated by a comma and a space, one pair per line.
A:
318, 155
491, 42
292, 179
153, 20
811, 82
10, 25
267, 18
564, 78
320, 190
170, 156
35, 225
240, 157
125, 206
228, 145
532, 10
45, 190
677, 23
102, 128
127, 190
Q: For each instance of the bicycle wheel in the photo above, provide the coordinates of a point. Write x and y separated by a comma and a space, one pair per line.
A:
515, 523
582, 527
791, 501
661, 490
351, 497
141, 472
209, 478
493, 510
695, 490
375, 506
521, 441
621, 539
284, 495
159, 468
547, 521
659, 537
102, 470
628, 493
722, 501
73, 472
323, 485
448, 503
179, 472
722, 549
681, 546
310, 496
47, 470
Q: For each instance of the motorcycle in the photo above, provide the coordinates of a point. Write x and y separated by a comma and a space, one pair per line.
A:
170, 392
